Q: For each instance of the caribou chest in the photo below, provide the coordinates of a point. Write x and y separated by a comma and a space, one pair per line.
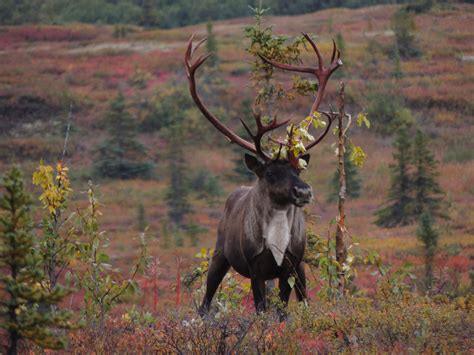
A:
276, 232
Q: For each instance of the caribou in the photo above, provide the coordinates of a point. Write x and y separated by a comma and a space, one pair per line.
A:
262, 232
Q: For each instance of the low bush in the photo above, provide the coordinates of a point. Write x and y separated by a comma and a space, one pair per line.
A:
388, 322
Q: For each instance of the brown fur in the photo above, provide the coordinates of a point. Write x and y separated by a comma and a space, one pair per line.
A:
240, 235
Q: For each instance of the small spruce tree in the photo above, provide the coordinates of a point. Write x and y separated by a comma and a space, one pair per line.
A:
177, 196
397, 66
427, 190
121, 155
23, 284
428, 234
404, 26
341, 45
400, 201
148, 14
211, 47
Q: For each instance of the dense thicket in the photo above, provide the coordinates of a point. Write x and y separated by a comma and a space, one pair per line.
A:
156, 13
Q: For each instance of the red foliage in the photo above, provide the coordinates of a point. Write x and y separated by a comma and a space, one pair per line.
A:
460, 263
14, 35
311, 344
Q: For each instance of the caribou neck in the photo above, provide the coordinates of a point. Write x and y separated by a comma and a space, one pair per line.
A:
267, 208
275, 220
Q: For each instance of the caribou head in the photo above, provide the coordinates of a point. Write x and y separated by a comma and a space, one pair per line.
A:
262, 234
281, 181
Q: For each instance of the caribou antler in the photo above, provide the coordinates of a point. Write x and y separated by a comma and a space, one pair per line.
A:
262, 129
322, 74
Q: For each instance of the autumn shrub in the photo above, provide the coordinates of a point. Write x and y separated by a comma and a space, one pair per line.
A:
388, 322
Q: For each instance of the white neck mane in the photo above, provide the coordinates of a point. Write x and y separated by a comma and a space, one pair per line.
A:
276, 233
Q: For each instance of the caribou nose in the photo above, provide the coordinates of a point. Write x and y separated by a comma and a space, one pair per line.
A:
303, 193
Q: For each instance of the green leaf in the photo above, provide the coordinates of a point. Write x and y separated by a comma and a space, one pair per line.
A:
362, 119
291, 281
357, 156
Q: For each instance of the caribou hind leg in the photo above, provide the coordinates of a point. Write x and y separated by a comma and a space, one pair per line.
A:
217, 270
300, 285
285, 292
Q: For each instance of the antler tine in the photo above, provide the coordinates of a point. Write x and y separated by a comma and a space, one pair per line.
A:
262, 129
247, 128
191, 68
330, 118
333, 55
258, 117
288, 67
321, 72
196, 47
316, 50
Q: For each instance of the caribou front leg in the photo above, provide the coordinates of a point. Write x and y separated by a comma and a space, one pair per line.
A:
217, 270
259, 298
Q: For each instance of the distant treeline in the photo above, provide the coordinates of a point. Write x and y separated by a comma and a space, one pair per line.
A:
156, 13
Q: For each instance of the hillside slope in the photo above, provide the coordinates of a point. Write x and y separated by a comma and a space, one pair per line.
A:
45, 69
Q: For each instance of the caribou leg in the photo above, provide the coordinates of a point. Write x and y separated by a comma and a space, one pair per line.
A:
285, 292
300, 286
217, 270
258, 289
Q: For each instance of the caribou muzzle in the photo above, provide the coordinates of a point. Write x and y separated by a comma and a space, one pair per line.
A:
301, 195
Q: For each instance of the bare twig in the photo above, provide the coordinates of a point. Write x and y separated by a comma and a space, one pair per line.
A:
66, 138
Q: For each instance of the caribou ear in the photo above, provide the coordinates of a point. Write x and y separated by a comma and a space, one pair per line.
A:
253, 164
306, 158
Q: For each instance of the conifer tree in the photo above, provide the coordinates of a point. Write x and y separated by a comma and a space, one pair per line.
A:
404, 26
397, 66
178, 191
341, 45
400, 201
428, 234
427, 190
148, 14
121, 155
211, 47
353, 182
23, 282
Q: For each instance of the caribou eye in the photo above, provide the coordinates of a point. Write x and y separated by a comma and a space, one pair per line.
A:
270, 176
